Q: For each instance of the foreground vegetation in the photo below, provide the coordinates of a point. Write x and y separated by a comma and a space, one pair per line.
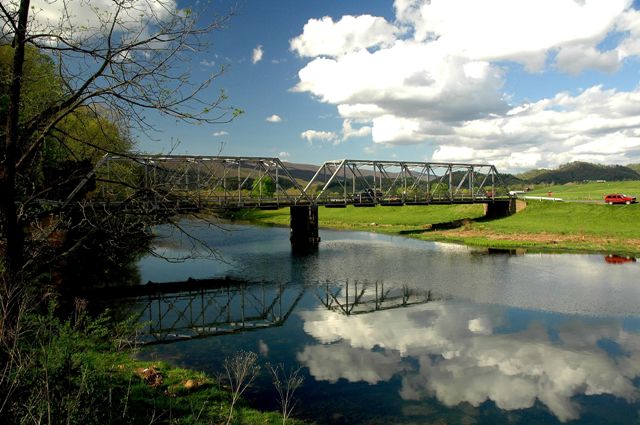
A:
83, 371
541, 225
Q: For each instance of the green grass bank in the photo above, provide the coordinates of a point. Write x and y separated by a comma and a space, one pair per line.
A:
594, 191
542, 225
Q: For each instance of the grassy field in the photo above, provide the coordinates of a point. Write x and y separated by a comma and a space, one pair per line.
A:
572, 219
588, 191
382, 219
560, 226
541, 225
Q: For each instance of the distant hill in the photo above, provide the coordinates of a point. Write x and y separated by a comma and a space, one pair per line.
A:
579, 172
634, 167
567, 173
532, 174
511, 180
304, 172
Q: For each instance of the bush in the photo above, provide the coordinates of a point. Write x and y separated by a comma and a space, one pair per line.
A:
66, 372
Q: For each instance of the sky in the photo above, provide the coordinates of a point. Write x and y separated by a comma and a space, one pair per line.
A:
520, 84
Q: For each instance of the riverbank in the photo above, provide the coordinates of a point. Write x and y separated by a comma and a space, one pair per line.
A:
553, 226
169, 394
85, 371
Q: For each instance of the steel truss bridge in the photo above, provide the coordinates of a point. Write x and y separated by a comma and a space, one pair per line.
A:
224, 182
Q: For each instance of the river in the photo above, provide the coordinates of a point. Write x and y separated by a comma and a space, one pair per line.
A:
394, 330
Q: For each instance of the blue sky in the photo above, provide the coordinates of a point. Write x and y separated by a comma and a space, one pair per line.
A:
518, 83
263, 89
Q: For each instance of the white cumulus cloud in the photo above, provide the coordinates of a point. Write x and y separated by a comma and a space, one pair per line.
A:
79, 20
319, 136
256, 55
208, 64
519, 30
349, 34
274, 118
593, 124
437, 75
348, 131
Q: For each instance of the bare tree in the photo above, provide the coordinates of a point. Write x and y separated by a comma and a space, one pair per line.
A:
286, 385
241, 370
119, 58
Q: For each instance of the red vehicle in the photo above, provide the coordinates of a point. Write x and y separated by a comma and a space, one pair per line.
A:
619, 198
618, 259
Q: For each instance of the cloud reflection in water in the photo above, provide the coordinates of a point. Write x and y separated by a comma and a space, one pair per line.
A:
464, 353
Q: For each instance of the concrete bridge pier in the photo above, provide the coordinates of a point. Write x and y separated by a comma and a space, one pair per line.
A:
498, 209
304, 227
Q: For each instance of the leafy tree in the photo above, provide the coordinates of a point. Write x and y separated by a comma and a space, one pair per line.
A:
264, 187
72, 89
439, 190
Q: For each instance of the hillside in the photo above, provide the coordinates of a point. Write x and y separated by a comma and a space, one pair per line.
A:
573, 172
634, 167
511, 180
532, 174
581, 172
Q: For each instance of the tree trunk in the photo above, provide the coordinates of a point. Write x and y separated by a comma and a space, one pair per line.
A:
11, 226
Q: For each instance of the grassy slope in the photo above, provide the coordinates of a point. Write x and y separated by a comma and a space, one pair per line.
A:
571, 218
542, 225
588, 191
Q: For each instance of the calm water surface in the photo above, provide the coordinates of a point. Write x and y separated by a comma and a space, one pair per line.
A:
393, 330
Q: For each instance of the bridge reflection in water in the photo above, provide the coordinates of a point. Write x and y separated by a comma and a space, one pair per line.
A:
173, 316
366, 297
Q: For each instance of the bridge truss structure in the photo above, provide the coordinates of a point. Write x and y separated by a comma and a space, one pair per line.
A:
224, 182
367, 183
